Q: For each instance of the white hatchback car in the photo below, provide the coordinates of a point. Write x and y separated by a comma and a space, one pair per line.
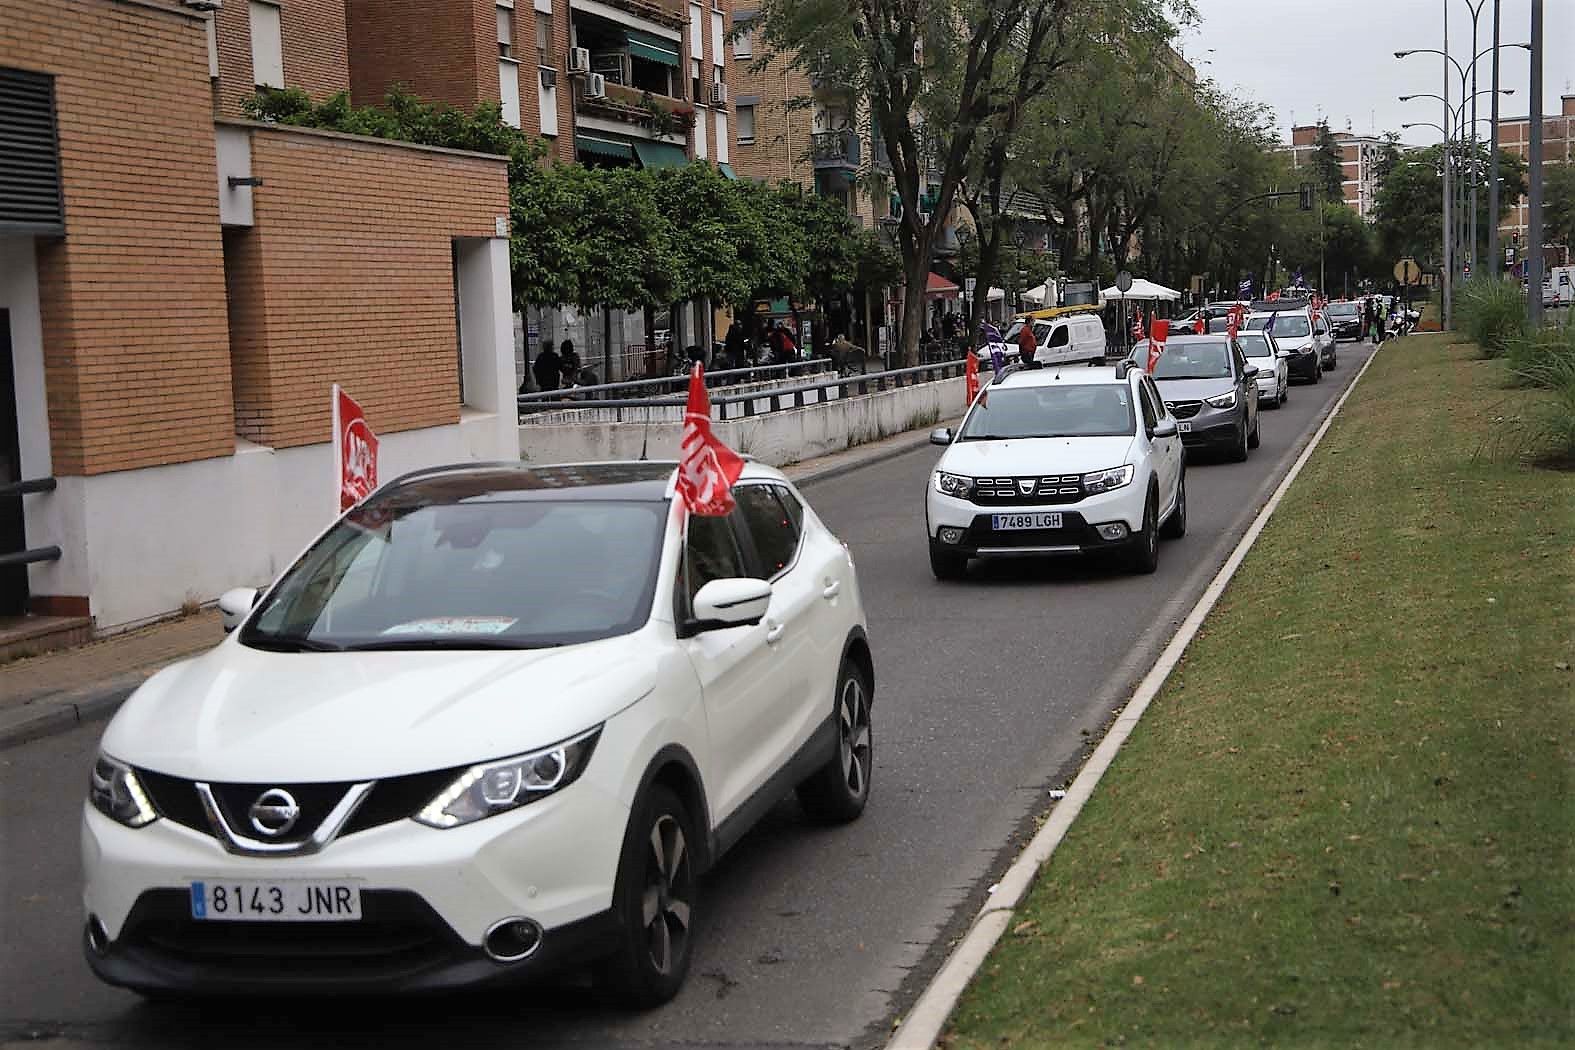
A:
1058, 461
1264, 354
495, 721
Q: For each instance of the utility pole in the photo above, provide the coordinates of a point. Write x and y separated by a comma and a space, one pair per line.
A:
1534, 261
1449, 233
1495, 259
1471, 250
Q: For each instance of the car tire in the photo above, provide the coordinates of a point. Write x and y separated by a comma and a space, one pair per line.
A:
836, 792
948, 565
1176, 524
1238, 452
1318, 373
650, 964
1285, 392
1255, 438
1145, 545
1334, 362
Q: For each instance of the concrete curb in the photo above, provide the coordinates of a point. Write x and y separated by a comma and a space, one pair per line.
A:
926, 1021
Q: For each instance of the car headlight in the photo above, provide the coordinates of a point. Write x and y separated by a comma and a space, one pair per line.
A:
116, 792
1105, 480
491, 788
953, 485
1227, 400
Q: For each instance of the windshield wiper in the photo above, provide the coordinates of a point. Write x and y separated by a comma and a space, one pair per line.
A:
444, 643
289, 643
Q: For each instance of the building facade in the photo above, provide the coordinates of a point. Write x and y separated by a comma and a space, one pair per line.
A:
1360, 156
179, 288
1558, 147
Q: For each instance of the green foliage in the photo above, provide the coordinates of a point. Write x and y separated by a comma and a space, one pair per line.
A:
1410, 205
1492, 312
1542, 358
1558, 203
1327, 167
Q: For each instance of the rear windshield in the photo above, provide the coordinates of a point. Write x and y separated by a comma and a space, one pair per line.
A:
1343, 310
1254, 345
1194, 360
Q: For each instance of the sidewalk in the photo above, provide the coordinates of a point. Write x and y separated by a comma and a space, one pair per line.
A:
56, 692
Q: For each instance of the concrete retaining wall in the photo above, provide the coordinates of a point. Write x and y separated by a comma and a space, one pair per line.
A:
778, 439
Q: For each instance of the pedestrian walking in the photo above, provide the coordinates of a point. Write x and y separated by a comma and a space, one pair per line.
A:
547, 368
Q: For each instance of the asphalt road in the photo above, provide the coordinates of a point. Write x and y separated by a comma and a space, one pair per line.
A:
988, 694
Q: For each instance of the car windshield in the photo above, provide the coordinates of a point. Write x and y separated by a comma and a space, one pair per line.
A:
1082, 410
1342, 310
1293, 326
477, 574
1199, 360
1254, 344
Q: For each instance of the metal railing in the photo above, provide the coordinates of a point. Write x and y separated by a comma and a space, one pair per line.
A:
756, 402
31, 554
565, 397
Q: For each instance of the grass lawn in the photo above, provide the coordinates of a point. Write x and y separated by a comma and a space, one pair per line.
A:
1347, 820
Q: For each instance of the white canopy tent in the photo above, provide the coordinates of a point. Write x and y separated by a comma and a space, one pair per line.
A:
1040, 295
1141, 290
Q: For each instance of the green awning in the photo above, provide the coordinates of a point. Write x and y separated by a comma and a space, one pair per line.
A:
604, 147
726, 170
659, 154
652, 48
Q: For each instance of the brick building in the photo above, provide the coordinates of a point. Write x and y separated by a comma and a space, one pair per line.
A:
179, 287
1558, 147
1359, 159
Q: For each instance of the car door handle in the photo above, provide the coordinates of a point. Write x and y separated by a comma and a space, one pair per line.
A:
832, 589
774, 632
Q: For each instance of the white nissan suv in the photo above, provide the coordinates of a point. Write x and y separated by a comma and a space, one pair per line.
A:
1058, 461
494, 722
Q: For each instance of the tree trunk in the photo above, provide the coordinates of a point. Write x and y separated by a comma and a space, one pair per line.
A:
916, 283
607, 344
989, 261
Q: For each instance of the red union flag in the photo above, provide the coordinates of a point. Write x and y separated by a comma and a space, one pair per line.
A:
1235, 320
971, 376
1156, 342
706, 467
355, 451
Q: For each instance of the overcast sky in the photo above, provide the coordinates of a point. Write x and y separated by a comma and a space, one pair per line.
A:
1335, 59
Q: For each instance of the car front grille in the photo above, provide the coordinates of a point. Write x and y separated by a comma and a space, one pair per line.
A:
1034, 490
391, 799
1184, 409
398, 932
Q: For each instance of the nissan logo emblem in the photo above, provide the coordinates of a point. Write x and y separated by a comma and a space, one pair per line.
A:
274, 813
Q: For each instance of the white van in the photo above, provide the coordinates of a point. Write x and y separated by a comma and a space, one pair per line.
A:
1072, 339
1560, 287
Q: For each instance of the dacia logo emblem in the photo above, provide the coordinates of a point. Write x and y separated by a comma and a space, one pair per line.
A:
1026, 487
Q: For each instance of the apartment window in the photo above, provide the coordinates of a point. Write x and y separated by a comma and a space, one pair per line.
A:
267, 45
694, 83
746, 123
543, 39
744, 40
505, 32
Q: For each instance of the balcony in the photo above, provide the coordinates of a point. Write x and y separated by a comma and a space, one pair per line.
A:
835, 150
665, 116
672, 13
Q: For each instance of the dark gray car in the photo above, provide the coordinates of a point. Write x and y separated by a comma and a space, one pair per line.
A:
1210, 388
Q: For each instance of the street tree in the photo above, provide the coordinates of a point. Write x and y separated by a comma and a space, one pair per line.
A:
1558, 204
1409, 216
934, 74
1327, 167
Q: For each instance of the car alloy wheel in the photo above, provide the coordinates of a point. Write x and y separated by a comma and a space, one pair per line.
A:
836, 793
1176, 524
1238, 451
655, 901
1145, 545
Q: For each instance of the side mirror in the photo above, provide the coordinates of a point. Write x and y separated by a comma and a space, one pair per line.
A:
1250, 372
735, 602
1284, 355
1165, 428
941, 436
234, 604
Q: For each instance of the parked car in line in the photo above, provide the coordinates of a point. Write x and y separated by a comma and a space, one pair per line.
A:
1326, 342
1264, 354
1211, 389
1293, 330
494, 722
1052, 462
1345, 321
1216, 318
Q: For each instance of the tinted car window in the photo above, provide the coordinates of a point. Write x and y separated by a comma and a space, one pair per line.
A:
1060, 337
1194, 360
710, 553
1150, 413
774, 533
795, 509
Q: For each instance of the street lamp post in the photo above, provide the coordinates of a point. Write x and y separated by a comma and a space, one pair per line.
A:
1534, 261
1471, 253
1493, 256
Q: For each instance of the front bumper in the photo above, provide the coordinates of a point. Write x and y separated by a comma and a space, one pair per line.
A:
1269, 387
1078, 533
428, 898
1305, 364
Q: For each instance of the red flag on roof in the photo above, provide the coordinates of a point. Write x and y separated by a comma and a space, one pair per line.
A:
707, 468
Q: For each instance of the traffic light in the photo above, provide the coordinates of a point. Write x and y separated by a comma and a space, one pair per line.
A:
1306, 197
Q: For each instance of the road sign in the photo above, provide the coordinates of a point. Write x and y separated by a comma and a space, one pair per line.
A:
1407, 271
1124, 282
1509, 257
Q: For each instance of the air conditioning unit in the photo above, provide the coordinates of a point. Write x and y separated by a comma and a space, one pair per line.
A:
595, 85
549, 78
579, 61
718, 94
